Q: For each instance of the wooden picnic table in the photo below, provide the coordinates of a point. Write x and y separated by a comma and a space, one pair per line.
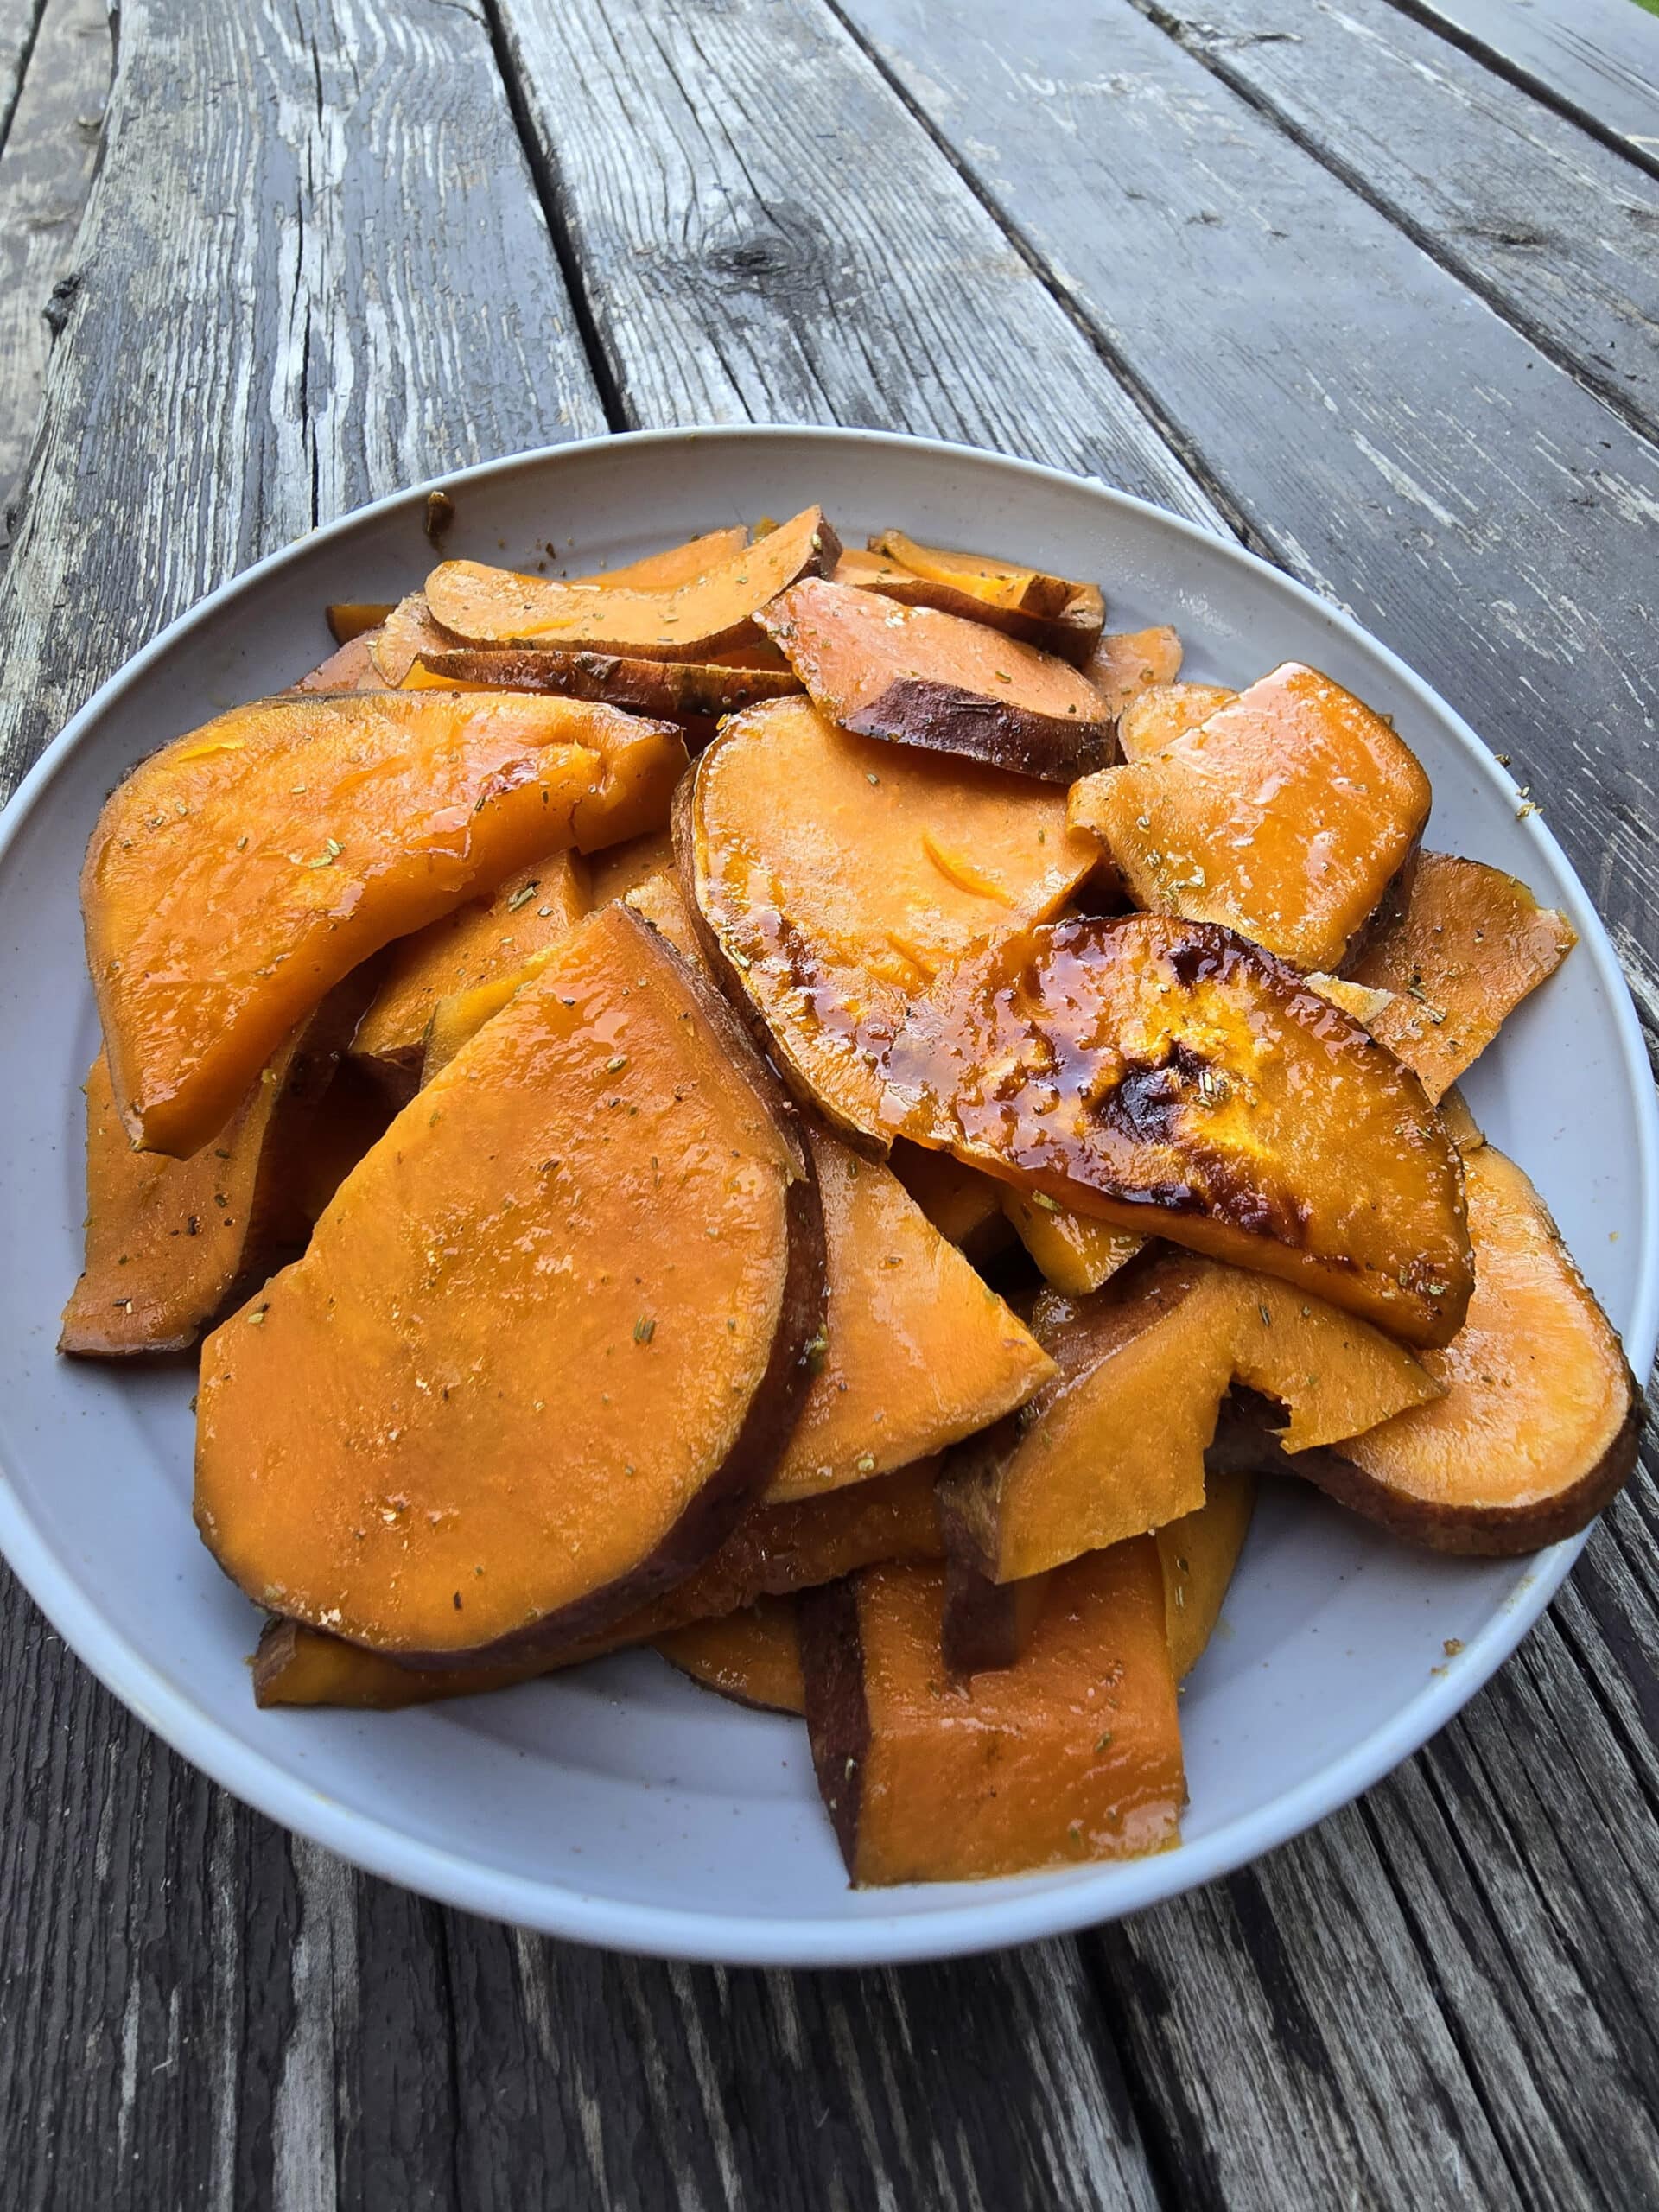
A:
1374, 286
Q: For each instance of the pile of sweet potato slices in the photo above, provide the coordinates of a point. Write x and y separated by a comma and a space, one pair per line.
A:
818, 1110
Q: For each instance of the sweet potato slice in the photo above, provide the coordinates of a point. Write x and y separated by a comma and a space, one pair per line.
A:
1469, 945
350, 667
1116, 1445
1127, 663
1198, 1554
1169, 1077
547, 1342
913, 676
979, 576
407, 633
1156, 716
351, 617
674, 565
242, 871
621, 868
774, 1549
171, 1244
836, 876
752, 1657
487, 937
679, 690
1287, 815
916, 1351
1537, 1429
963, 1205
1074, 1252
1073, 1754
1072, 634
712, 611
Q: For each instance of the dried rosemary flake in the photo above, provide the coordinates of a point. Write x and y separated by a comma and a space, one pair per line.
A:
257, 1315
1042, 1199
523, 896
644, 1329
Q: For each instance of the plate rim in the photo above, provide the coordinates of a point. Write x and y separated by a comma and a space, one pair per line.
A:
1009, 1914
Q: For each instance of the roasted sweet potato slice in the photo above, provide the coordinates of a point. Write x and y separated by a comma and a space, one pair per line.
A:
979, 576
1169, 1077
913, 676
1198, 1554
407, 633
1116, 1445
1537, 1429
1156, 716
1073, 1754
836, 876
752, 1657
1469, 945
487, 937
621, 868
773, 1550
679, 690
350, 667
171, 1244
1074, 1252
242, 871
963, 1205
916, 1351
674, 565
1287, 815
351, 617
1127, 663
1072, 634
712, 611
547, 1342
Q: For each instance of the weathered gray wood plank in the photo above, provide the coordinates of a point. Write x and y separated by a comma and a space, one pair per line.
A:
1600, 59
45, 169
1558, 232
17, 21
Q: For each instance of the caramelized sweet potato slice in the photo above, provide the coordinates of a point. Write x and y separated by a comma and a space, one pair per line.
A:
774, 1549
487, 937
242, 871
1157, 716
621, 868
963, 1205
351, 617
407, 633
712, 611
350, 667
1074, 1252
679, 690
979, 576
1127, 663
1169, 1077
752, 1657
1116, 1445
836, 876
1073, 1754
1287, 815
1198, 1554
1469, 945
1072, 634
1538, 1427
916, 1351
674, 565
171, 1244
547, 1342
914, 676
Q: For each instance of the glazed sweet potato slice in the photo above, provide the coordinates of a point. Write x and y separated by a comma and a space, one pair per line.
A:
1162, 712
407, 633
1288, 816
1469, 945
774, 1549
350, 667
964, 1205
1538, 1427
679, 690
241, 872
1199, 1554
836, 876
622, 869
1072, 634
1116, 1445
533, 907
1125, 664
1073, 1252
351, 618
674, 565
979, 576
916, 1351
1074, 1754
913, 676
171, 1244
547, 1342
1168, 1078
711, 612
752, 1657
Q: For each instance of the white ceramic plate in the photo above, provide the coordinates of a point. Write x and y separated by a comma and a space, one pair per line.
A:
622, 1805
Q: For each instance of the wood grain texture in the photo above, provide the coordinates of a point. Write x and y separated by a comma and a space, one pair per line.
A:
17, 21
1557, 232
46, 167
1596, 58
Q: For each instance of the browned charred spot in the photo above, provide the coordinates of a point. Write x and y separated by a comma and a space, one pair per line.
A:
440, 518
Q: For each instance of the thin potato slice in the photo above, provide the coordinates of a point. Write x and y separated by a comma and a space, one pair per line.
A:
1199, 1554
754, 1657
1072, 634
674, 565
1126, 664
1162, 712
1074, 1253
676, 688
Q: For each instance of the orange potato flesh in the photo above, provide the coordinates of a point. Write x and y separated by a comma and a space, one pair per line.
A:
1073, 634
683, 690
1073, 1754
1460, 1124
1126, 663
1074, 1253
621, 868
1198, 1553
350, 667
774, 1549
242, 871
705, 615
999, 583
914, 676
351, 617
1537, 1427
533, 907
1115, 1446
963, 1205
752, 1657
1170, 1078
408, 631
1286, 815
917, 1351
546, 1342
836, 876
1157, 716
1356, 999
1468, 946
674, 565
